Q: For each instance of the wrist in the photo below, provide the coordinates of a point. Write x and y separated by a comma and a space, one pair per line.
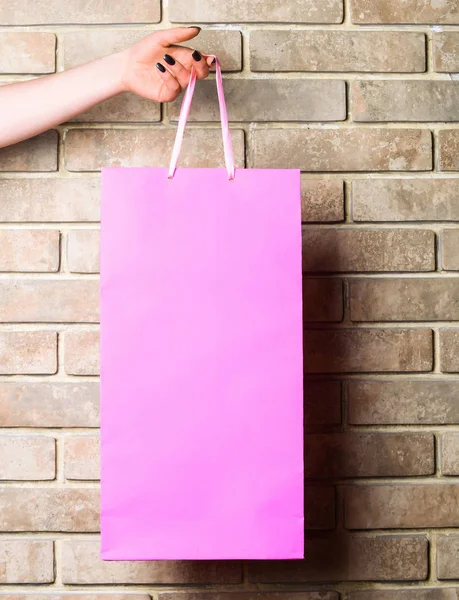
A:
114, 67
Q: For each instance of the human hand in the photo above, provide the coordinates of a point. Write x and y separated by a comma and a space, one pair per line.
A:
157, 68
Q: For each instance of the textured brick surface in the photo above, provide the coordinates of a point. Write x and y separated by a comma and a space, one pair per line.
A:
27, 52
322, 595
408, 11
356, 149
83, 251
448, 556
37, 154
446, 51
425, 593
322, 403
27, 457
81, 457
29, 250
81, 353
448, 143
387, 51
322, 300
450, 249
26, 560
28, 352
449, 350
321, 200
403, 402
450, 453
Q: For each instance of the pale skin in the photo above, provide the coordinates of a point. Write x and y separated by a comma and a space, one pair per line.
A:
28, 108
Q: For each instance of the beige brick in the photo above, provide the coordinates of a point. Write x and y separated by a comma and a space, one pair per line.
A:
449, 350
81, 564
367, 350
408, 11
82, 457
83, 46
446, 51
322, 300
347, 558
28, 352
29, 250
401, 506
322, 595
340, 455
239, 11
79, 11
49, 300
404, 299
448, 149
50, 200
417, 593
81, 352
27, 52
28, 457
49, 509
346, 149
450, 453
91, 149
322, 200
430, 401
448, 556
322, 403
36, 154
405, 200
319, 507
83, 251
73, 596
374, 101
269, 100
43, 404
315, 50
346, 249
450, 249
26, 561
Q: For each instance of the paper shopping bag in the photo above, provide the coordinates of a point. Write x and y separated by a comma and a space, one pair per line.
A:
201, 361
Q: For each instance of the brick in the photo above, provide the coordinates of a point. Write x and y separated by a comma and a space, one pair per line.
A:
319, 507
322, 403
450, 453
448, 556
410, 594
340, 455
82, 457
375, 101
83, 251
49, 509
404, 299
50, 200
401, 506
81, 352
28, 352
448, 149
450, 249
322, 300
41, 404
449, 350
103, 11
367, 350
425, 402
26, 561
321, 200
74, 596
25, 458
347, 249
269, 100
49, 300
345, 51
322, 595
83, 46
446, 51
91, 149
27, 52
343, 149
270, 11
29, 250
81, 564
36, 154
349, 558
408, 11
405, 200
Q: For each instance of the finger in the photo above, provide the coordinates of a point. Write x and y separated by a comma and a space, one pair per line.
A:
171, 83
176, 35
191, 58
177, 69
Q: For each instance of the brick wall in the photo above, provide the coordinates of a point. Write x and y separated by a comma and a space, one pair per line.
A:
362, 97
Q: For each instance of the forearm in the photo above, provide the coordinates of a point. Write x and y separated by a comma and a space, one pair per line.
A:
30, 107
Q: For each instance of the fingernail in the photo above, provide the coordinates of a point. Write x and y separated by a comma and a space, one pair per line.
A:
194, 27
168, 58
161, 67
196, 55
213, 62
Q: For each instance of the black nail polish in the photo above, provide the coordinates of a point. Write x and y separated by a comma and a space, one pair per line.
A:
168, 58
213, 62
196, 55
161, 67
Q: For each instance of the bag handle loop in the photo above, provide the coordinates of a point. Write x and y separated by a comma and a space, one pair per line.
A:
184, 112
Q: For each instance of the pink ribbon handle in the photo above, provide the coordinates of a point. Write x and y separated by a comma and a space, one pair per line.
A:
185, 111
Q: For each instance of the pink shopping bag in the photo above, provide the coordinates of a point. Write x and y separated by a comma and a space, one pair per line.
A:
201, 360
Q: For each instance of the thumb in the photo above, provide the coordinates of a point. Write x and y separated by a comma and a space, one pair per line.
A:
168, 37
